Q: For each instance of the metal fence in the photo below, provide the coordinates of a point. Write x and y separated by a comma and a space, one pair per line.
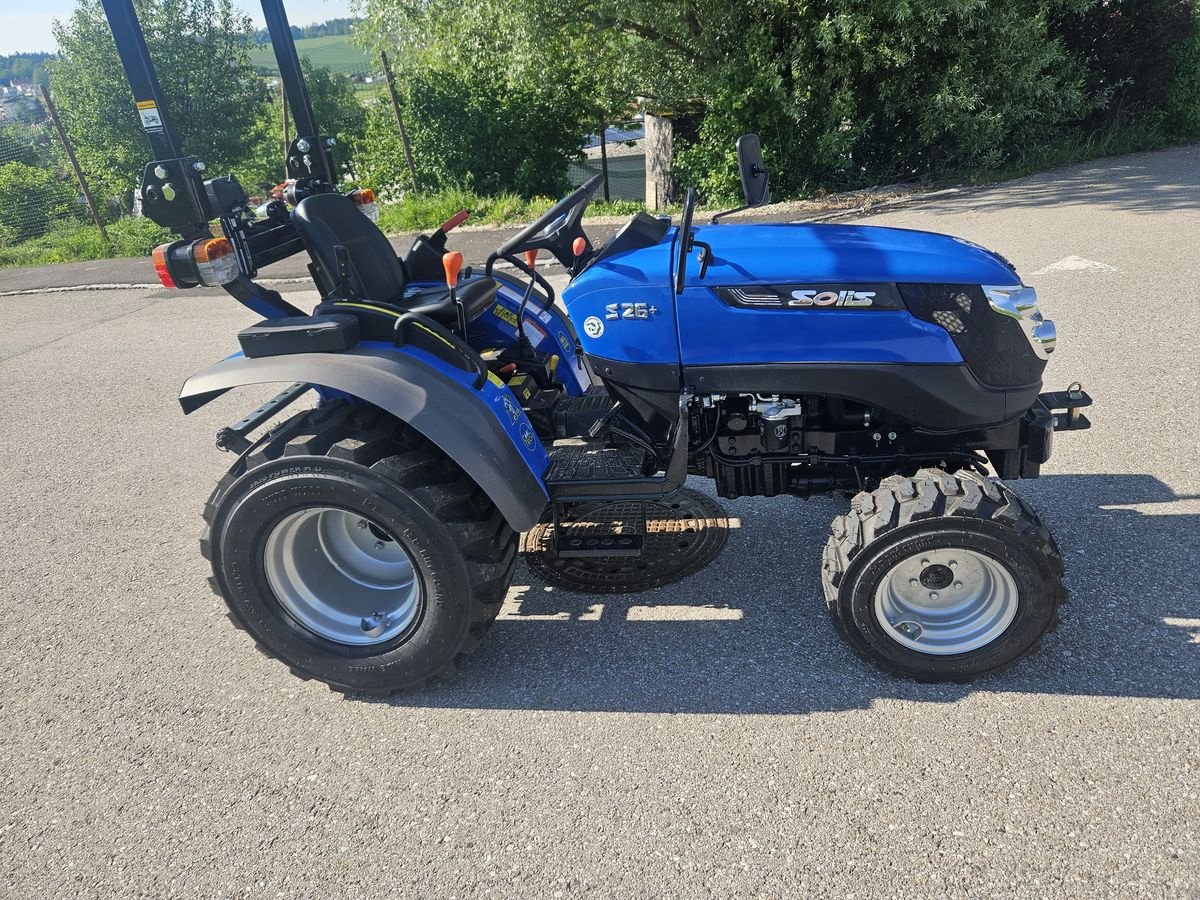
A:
622, 154
36, 190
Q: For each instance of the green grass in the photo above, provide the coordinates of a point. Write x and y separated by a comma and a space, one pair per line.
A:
426, 211
75, 241
72, 242
337, 52
1117, 137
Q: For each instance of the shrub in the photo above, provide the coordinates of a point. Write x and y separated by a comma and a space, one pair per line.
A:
851, 93
1129, 49
469, 129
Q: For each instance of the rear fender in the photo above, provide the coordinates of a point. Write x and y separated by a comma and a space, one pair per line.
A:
485, 431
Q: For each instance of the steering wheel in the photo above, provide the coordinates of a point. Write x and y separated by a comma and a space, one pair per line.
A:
685, 239
555, 230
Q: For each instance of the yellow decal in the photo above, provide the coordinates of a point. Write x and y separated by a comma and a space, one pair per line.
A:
146, 104
505, 314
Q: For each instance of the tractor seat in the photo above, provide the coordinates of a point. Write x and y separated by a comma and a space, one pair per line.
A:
377, 321
377, 277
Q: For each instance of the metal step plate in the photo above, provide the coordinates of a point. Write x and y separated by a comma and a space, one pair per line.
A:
680, 535
582, 461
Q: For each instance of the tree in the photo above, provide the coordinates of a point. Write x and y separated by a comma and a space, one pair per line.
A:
338, 113
493, 102
201, 51
843, 92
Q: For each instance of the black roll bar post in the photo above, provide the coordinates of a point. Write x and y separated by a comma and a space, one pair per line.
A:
308, 156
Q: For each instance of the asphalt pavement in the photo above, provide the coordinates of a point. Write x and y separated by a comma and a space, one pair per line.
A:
712, 738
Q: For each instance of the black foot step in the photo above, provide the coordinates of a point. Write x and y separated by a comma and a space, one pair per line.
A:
576, 415
595, 462
586, 546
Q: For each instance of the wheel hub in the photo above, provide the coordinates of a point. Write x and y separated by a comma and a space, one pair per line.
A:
936, 577
342, 576
946, 601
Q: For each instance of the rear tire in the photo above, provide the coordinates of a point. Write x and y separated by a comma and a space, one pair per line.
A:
356, 552
942, 577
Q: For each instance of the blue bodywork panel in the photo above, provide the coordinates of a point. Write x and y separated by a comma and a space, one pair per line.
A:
502, 403
766, 254
697, 328
603, 303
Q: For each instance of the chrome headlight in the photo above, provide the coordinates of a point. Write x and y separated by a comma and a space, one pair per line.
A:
1020, 302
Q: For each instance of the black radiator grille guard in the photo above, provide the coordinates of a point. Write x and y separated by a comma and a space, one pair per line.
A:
993, 345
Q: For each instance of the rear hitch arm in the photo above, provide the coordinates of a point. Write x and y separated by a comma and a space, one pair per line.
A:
233, 437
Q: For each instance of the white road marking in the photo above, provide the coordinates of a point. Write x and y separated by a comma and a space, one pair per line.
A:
1075, 264
672, 613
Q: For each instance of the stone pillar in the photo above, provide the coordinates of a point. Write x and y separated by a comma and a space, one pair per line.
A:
660, 189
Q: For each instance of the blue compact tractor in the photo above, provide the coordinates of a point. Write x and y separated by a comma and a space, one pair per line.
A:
369, 540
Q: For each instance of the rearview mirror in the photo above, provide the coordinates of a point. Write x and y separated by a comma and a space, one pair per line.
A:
754, 176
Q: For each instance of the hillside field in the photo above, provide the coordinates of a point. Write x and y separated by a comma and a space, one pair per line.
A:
337, 52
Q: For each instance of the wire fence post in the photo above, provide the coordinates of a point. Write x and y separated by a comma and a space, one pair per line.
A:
604, 158
287, 138
66, 142
408, 156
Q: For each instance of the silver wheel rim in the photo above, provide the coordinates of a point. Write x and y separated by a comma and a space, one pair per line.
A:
342, 576
946, 601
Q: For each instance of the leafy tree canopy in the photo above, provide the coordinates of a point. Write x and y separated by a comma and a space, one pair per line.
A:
200, 49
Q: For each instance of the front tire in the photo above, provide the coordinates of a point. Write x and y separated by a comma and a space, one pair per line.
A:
354, 551
942, 577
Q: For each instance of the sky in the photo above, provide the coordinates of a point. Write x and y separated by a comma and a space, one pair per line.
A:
28, 31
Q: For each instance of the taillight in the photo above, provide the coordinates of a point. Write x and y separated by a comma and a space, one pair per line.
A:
159, 255
364, 199
215, 261
183, 264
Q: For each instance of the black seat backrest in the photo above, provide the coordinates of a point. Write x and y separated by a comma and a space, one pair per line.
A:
323, 221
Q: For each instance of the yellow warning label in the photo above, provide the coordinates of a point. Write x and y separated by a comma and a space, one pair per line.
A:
147, 104
505, 315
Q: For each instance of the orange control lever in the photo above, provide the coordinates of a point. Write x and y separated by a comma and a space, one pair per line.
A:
454, 221
579, 246
531, 258
452, 264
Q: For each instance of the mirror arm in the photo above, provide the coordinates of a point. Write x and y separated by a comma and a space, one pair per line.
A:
729, 212
706, 255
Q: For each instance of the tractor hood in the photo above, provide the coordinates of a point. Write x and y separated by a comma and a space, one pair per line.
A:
791, 254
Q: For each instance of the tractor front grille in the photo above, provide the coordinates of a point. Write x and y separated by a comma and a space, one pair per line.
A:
994, 347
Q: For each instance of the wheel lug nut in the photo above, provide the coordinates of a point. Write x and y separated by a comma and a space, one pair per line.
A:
924, 562
913, 582
362, 523
379, 545
958, 585
933, 595
954, 564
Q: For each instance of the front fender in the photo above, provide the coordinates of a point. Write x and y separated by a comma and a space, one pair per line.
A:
485, 431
